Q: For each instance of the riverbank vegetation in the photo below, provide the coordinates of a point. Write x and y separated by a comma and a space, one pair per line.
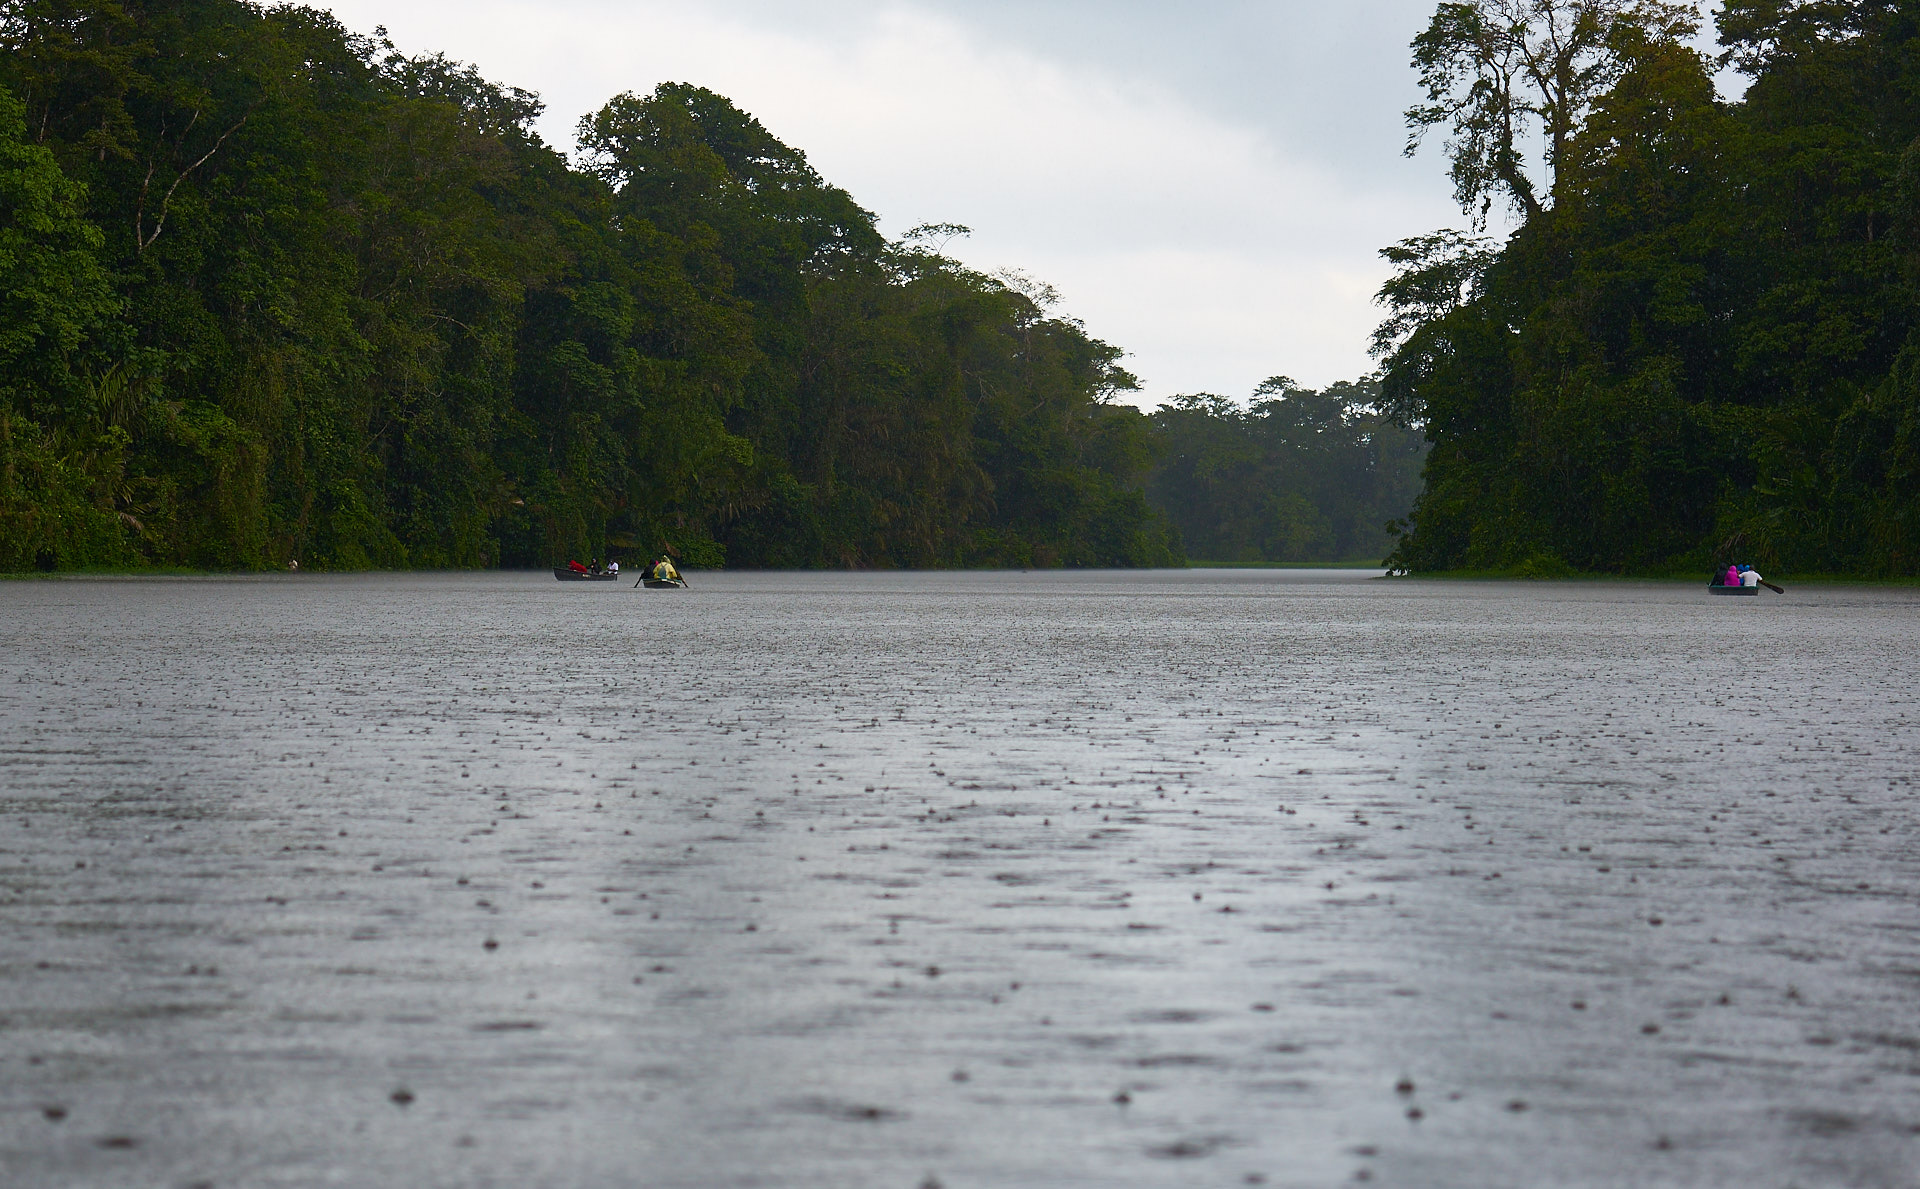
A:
271, 291
1703, 339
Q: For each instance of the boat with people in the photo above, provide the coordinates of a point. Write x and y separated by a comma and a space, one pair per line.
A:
574, 571
1739, 580
661, 575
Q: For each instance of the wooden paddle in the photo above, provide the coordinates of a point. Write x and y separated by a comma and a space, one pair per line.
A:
1775, 589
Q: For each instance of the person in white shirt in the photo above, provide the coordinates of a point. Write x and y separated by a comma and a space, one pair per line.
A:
1749, 576
613, 567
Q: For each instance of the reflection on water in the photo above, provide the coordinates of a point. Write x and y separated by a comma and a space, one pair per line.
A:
1229, 877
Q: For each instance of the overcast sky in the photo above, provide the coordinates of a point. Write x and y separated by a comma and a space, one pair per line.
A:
1206, 184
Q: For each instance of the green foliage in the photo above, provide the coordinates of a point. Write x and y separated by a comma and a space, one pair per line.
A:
62, 452
1295, 476
1704, 345
277, 292
1493, 68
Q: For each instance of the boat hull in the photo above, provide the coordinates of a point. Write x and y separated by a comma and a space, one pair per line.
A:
1733, 590
667, 584
566, 575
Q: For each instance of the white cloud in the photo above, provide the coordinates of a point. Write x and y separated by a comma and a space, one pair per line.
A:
1190, 240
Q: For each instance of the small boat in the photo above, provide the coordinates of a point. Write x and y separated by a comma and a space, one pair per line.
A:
565, 574
664, 583
1733, 590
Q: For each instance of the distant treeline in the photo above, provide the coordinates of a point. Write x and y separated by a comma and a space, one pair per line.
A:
274, 292
1295, 476
1703, 341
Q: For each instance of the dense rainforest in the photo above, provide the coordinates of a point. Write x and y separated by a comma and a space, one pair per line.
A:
273, 292
1701, 342
1293, 476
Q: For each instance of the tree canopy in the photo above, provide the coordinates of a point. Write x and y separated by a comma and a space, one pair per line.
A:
272, 291
1700, 342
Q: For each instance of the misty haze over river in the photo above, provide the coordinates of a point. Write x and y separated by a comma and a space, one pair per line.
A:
909, 880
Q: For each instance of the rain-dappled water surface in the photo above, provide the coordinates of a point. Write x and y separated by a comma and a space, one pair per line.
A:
1182, 879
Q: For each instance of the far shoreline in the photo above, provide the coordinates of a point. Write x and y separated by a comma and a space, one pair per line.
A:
1655, 579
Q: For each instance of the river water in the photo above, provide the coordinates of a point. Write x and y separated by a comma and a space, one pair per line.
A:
915, 880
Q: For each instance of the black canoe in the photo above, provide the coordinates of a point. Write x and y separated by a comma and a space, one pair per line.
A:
664, 583
565, 574
1733, 590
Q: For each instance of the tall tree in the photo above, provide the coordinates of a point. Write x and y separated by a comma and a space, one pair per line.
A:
1497, 71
